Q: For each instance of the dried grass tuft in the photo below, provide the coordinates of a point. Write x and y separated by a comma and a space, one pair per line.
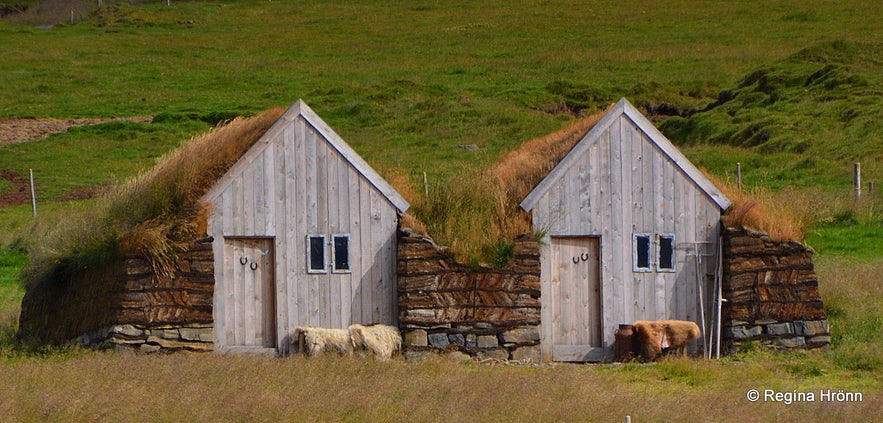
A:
784, 215
477, 214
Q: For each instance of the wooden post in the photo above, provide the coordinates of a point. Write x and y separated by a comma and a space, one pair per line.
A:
33, 194
858, 182
739, 175
72, 16
871, 187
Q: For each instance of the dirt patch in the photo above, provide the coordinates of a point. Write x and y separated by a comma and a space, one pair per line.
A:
16, 130
20, 192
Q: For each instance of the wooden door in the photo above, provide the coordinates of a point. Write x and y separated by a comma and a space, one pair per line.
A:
576, 299
251, 299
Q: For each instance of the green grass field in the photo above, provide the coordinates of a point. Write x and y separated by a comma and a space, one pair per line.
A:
792, 91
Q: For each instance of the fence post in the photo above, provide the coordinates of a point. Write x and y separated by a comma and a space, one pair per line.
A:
33, 194
739, 175
858, 182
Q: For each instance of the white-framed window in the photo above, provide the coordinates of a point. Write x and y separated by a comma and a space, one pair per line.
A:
340, 253
316, 254
641, 253
653, 252
665, 253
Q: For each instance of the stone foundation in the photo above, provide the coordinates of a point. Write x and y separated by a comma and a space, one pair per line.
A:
148, 339
127, 305
445, 306
772, 293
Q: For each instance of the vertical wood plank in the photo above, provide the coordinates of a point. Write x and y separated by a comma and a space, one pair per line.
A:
268, 220
323, 304
617, 242
246, 201
344, 225
387, 256
368, 247
547, 306
259, 204
333, 314
281, 245
309, 212
239, 293
358, 250
594, 297
249, 299
377, 236
608, 246
295, 226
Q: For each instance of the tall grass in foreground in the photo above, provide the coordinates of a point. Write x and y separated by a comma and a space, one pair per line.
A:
111, 387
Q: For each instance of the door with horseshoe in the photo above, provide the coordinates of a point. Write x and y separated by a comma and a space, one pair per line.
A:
576, 298
250, 290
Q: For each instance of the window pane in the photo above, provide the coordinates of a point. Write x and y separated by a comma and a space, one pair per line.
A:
666, 252
341, 252
642, 250
317, 253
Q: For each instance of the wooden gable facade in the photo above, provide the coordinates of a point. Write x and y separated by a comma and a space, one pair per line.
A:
632, 232
304, 234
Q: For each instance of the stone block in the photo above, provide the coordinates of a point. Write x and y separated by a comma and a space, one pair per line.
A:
819, 340
484, 325
497, 354
127, 330
811, 327
194, 334
765, 321
457, 339
487, 341
119, 340
520, 335
164, 333
795, 342
745, 332
438, 340
149, 348
471, 340
416, 338
780, 329
529, 354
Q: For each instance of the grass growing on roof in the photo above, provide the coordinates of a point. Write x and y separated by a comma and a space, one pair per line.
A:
477, 214
155, 214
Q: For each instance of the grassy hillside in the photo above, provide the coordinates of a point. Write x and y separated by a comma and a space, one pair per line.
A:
407, 83
791, 90
813, 113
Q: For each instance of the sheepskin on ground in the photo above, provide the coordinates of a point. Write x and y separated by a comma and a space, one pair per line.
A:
655, 336
381, 340
313, 341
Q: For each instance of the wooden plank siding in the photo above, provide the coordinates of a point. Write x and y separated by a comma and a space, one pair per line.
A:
625, 178
297, 180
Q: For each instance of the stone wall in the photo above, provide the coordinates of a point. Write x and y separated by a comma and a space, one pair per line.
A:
127, 305
772, 293
445, 306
